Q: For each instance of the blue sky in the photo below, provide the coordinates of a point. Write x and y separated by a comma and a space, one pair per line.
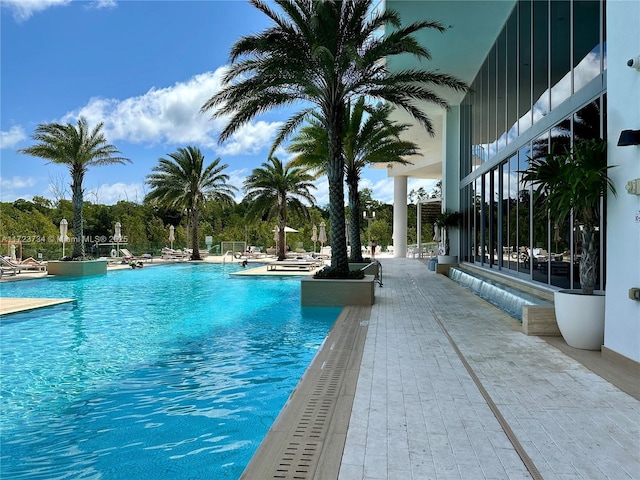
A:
144, 68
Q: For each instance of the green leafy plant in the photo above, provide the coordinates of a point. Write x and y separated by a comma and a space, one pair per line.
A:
573, 182
446, 221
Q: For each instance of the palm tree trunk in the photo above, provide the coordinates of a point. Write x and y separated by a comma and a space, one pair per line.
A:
282, 223
335, 176
588, 260
77, 201
354, 222
194, 234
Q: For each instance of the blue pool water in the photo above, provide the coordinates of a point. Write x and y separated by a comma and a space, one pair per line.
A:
168, 372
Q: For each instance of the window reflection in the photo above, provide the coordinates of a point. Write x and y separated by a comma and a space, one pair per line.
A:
560, 64
537, 62
586, 42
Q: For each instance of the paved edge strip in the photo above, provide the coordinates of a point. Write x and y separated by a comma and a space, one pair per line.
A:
307, 438
17, 305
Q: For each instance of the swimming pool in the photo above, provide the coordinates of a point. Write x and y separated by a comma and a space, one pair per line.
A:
169, 372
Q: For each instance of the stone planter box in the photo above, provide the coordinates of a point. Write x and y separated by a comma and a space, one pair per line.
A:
77, 269
329, 292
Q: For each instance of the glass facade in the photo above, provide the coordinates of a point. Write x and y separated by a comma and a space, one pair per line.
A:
541, 87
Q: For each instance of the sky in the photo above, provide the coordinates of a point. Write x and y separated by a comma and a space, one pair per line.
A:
144, 69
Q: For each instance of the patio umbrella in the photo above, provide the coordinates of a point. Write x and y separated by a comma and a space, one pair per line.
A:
322, 235
172, 235
64, 225
117, 236
286, 230
12, 248
436, 233
314, 237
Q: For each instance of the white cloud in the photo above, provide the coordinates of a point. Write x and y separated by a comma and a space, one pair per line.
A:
172, 116
250, 138
11, 138
109, 194
14, 183
236, 178
10, 188
23, 9
98, 4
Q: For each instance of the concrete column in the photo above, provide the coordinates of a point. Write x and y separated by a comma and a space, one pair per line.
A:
400, 217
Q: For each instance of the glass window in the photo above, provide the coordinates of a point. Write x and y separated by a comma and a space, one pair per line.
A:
540, 60
491, 103
512, 196
560, 51
539, 249
524, 74
512, 77
501, 91
524, 214
465, 138
478, 201
479, 120
586, 42
494, 229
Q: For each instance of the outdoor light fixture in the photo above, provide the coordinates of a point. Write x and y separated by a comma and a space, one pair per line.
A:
629, 137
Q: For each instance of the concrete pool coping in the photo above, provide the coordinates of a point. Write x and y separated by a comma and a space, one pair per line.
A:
16, 305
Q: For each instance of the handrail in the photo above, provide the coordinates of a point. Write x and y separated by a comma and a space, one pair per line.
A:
378, 276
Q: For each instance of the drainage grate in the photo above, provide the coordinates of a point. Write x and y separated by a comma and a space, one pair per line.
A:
300, 444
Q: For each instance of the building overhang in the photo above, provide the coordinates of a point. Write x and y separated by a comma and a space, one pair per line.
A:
472, 27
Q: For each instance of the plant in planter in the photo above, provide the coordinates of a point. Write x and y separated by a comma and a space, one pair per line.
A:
445, 222
573, 182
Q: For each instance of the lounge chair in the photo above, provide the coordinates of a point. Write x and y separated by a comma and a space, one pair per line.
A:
127, 254
293, 265
28, 264
175, 255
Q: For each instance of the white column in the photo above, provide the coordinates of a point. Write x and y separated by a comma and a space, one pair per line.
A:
400, 217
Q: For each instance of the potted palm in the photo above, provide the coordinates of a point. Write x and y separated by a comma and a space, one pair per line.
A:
444, 223
573, 183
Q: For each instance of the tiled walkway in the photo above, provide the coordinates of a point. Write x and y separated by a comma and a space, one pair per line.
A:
418, 413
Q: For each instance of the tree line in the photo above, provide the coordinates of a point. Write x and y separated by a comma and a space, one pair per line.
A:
145, 227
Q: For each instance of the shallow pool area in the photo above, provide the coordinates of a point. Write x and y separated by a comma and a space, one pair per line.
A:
173, 371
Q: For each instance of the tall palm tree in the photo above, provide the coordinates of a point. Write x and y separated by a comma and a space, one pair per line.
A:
369, 137
79, 148
322, 53
275, 188
184, 183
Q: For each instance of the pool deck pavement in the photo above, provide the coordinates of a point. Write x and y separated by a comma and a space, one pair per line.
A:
448, 387
439, 384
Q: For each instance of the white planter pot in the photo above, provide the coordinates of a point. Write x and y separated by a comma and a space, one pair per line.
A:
448, 259
580, 318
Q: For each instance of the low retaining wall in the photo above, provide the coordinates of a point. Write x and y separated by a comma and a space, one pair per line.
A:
77, 269
330, 292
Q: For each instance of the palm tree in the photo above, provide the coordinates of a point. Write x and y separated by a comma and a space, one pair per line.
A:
184, 183
275, 188
78, 148
369, 137
321, 54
